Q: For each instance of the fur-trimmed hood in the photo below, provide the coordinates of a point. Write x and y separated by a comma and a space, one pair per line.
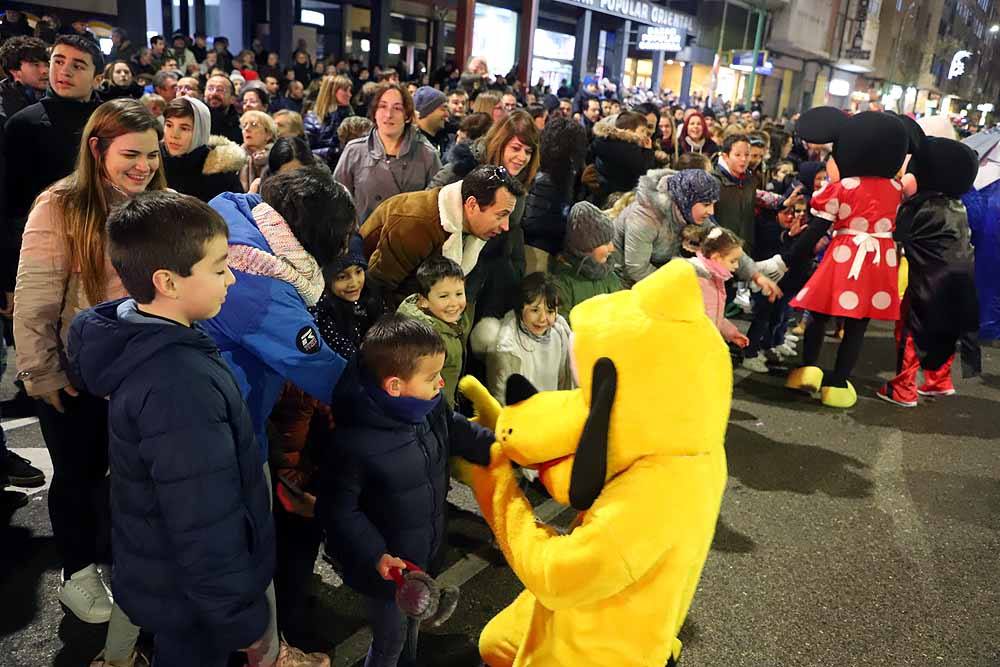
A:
224, 156
605, 129
463, 158
649, 196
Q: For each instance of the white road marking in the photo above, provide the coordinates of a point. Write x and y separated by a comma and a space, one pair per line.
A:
18, 423
39, 457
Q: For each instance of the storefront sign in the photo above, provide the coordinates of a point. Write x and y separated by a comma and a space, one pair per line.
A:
860, 35
662, 38
637, 10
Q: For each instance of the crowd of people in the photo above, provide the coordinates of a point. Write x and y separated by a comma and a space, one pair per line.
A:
249, 288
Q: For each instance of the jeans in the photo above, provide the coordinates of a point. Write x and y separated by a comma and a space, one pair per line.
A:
388, 632
769, 324
79, 509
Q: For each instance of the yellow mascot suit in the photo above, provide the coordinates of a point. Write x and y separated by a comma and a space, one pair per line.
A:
638, 449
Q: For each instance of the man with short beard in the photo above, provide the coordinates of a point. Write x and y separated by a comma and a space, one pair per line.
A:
219, 98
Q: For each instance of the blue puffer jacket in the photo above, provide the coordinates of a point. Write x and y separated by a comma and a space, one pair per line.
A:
983, 207
192, 530
264, 330
386, 491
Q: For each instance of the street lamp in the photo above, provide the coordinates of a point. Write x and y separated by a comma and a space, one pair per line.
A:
995, 29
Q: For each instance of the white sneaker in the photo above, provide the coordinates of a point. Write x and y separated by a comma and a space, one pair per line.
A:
743, 300
791, 338
786, 351
86, 596
755, 364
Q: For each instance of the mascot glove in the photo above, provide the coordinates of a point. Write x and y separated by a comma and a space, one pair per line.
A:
773, 268
486, 408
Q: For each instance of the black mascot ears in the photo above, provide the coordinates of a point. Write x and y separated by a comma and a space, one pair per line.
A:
870, 143
945, 166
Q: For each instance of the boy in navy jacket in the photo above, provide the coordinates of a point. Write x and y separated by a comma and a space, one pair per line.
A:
383, 499
193, 536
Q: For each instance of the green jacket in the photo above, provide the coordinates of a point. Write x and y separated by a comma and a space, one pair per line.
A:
455, 336
576, 288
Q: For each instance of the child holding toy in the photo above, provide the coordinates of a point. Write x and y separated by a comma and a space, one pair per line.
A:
383, 498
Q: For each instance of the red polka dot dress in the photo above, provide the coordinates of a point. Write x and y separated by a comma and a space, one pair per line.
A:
858, 276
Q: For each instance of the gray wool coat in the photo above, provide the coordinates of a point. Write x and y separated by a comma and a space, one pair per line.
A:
371, 176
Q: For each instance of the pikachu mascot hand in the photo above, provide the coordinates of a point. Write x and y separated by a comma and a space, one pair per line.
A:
638, 450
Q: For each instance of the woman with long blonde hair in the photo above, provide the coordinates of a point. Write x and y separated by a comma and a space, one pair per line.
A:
489, 103
666, 143
63, 269
333, 105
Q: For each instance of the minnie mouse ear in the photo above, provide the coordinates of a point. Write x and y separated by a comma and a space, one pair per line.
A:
821, 125
945, 166
914, 132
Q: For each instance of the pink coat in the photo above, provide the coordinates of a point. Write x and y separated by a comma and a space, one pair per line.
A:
712, 278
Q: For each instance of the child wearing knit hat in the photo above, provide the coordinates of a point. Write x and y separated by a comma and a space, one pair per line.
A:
349, 306
583, 269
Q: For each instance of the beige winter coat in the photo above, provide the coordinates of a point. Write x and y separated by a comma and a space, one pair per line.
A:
48, 295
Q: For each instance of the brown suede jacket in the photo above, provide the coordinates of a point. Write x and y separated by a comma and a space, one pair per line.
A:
400, 234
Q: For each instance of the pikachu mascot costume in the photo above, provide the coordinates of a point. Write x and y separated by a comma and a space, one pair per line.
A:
638, 450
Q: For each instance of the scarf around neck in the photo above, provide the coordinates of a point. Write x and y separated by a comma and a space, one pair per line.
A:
404, 408
290, 262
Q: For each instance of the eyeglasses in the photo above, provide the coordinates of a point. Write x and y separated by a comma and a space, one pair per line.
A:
251, 125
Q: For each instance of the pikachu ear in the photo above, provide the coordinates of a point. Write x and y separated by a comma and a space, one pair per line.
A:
671, 293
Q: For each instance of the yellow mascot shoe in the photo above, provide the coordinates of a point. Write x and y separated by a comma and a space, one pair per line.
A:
805, 378
840, 397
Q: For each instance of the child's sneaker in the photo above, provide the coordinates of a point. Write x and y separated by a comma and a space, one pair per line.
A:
884, 395
743, 300
289, 656
787, 350
756, 365
86, 596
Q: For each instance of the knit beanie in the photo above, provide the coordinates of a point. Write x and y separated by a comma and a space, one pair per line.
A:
353, 256
587, 228
426, 100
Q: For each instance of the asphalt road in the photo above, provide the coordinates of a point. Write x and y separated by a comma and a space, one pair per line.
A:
865, 537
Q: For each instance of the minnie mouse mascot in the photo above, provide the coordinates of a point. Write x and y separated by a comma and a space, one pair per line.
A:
858, 277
